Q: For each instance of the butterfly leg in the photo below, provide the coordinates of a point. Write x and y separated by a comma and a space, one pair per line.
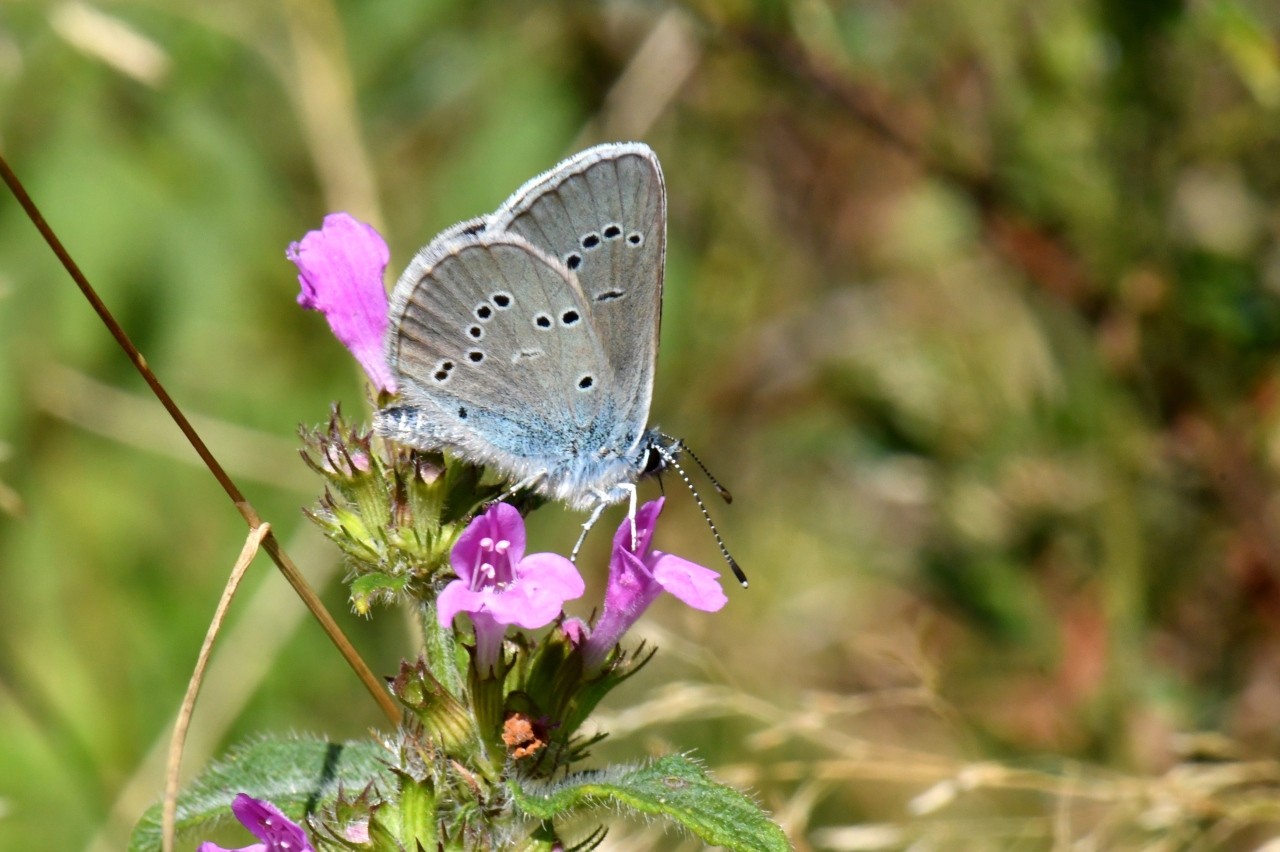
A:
603, 502
631, 512
586, 528
527, 482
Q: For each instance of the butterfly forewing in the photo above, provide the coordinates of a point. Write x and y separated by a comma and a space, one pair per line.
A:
603, 214
493, 343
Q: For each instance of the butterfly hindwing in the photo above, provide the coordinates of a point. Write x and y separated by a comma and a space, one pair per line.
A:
603, 214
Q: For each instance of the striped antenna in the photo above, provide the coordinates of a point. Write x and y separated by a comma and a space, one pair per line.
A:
669, 456
680, 447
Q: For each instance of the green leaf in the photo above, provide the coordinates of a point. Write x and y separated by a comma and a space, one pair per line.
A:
296, 775
675, 786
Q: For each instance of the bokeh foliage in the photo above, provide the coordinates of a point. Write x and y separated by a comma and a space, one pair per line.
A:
975, 306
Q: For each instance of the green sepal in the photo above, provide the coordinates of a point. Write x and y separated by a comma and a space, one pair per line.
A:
293, 774
409, 822
417, 814
676, 787
369, 494
487, 689
592, 690
340, 529
352, 534
551, 677
446, 659
376, 587
448, 722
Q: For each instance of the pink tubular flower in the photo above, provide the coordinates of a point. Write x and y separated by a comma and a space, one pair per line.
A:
637, 576
277, 832
340, 268
498, 585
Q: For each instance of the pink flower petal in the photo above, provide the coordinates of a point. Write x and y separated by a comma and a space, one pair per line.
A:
340, 268
500, 522
697, 586
631, 586
545, 582
637, 577
455, 598
576, 630
507, 524
498, 585
552, 575
267, 823
516, 606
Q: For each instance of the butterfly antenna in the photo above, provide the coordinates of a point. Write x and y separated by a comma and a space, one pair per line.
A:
669, 457
680, 447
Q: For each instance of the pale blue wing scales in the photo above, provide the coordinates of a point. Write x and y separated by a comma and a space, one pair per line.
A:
493, 353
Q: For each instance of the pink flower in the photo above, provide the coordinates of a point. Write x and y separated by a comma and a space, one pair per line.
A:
264, 820
498, 585
638, 576
340, 268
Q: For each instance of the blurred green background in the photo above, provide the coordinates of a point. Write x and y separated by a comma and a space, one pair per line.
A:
974, 306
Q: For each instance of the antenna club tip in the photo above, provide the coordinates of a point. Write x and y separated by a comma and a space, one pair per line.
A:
737, 572
725, 495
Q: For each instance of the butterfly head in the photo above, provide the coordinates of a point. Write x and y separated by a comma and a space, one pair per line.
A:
658, 452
